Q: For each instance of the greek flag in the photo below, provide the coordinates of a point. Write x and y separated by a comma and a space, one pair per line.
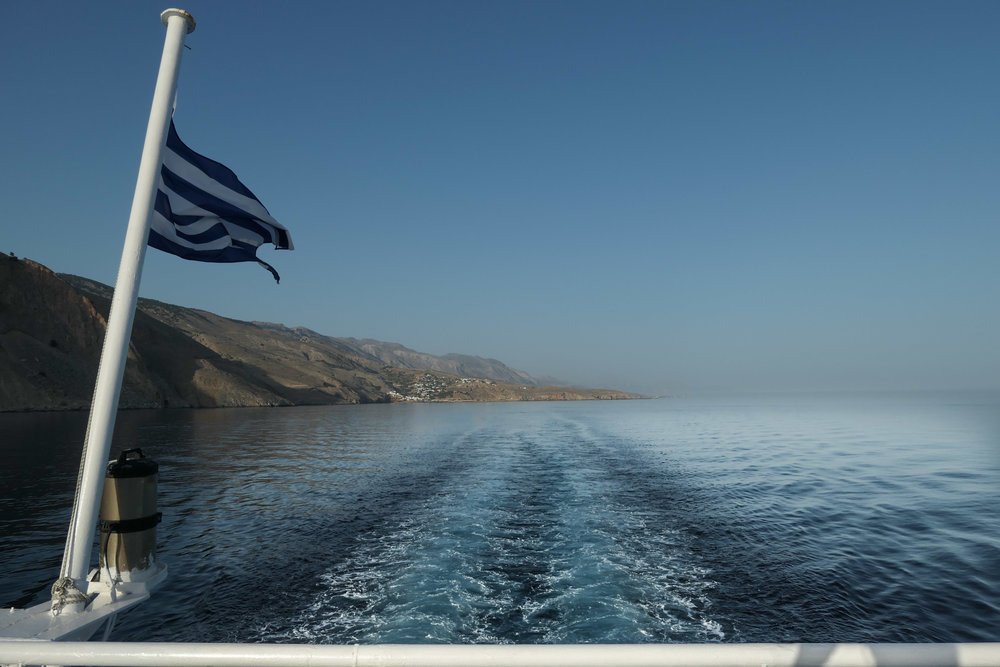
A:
203, 212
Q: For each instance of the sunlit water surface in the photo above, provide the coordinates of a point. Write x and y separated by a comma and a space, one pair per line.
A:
868, 518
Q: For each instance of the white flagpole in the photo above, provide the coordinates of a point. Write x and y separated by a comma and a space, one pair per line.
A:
97, 446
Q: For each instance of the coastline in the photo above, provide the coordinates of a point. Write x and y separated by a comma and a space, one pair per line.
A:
52, 330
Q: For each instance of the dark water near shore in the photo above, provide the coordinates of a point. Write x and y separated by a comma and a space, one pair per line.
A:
870, 518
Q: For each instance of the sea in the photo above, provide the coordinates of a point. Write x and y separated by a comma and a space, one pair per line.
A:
724, 518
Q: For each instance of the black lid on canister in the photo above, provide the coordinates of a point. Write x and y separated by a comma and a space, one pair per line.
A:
138, 466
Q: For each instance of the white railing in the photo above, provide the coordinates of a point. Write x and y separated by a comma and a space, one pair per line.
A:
148, 654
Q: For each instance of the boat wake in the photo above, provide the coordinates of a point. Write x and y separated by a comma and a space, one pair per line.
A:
534, 540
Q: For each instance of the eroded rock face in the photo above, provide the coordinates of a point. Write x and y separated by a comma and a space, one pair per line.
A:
50, 340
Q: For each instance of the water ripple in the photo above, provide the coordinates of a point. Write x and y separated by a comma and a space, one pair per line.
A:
788, 519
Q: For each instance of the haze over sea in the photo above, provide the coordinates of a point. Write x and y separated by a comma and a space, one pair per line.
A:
839, 517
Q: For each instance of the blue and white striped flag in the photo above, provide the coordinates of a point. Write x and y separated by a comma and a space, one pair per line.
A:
203, 212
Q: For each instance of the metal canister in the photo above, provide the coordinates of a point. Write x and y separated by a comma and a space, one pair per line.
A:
128, 516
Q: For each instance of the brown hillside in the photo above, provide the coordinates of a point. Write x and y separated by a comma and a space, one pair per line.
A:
52, 329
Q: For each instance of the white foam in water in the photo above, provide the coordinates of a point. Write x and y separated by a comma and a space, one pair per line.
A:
529, 546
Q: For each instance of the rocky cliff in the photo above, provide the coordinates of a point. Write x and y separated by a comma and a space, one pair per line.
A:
50, 343
52, 329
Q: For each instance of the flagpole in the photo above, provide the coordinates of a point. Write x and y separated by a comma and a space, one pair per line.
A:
97, 445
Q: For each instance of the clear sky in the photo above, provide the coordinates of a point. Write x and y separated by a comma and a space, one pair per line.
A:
652, 196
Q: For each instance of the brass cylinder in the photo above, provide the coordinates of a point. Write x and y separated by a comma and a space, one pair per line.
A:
128, 514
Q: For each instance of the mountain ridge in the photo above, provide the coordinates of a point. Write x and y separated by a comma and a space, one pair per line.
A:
52, 329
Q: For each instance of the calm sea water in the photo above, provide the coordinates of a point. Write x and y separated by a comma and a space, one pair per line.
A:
821, 518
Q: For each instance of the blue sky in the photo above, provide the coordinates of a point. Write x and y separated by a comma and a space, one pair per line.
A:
653, 196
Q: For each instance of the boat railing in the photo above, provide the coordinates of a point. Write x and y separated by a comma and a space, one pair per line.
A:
177, 654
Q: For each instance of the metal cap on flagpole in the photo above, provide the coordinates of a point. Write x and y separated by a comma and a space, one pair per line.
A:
167, 13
